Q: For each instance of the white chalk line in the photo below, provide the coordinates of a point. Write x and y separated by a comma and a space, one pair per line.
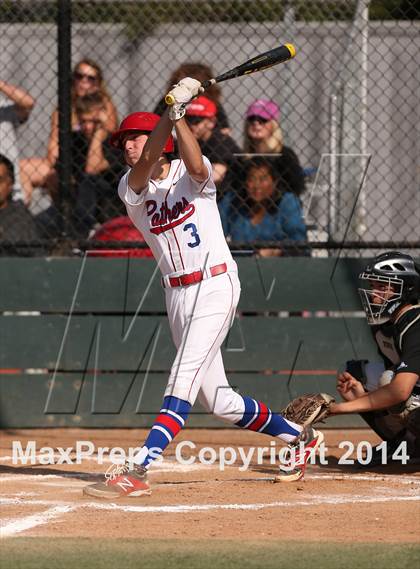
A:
336, 500
19, 525
59, 508
12, 527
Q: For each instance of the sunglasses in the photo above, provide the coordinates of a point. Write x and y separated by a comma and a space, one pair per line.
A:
258, 119
91, 78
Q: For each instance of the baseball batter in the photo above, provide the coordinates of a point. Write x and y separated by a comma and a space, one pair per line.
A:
173, 204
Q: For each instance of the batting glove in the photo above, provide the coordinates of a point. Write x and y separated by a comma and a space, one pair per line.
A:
182, 93
177, 111
192, 85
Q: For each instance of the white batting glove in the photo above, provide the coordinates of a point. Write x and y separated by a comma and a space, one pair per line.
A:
186, 90
177, 111
192, 85
183, 92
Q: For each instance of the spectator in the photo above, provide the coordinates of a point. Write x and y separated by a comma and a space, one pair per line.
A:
262, 211
202, 73
96, 169
119, 229
263, 135
17, 227
15, 108
219, 148
87, 79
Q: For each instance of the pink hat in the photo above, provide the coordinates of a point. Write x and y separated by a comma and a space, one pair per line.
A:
201, 107
265, 109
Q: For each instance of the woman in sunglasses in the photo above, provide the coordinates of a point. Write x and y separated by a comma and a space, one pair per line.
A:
263, 135
87, 79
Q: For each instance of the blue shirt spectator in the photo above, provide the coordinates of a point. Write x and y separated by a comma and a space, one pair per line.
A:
261, 211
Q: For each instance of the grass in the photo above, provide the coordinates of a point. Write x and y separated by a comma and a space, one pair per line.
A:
68, 553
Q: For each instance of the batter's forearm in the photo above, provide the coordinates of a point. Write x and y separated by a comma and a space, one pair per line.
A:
190, 151
157, 140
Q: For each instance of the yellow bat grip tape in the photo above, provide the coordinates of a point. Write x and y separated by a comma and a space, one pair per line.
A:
169, 100
291, 48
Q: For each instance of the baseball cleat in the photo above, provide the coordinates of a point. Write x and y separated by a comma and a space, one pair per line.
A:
300, 452
120, 481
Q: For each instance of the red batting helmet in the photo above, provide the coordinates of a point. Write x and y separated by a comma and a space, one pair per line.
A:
145, 122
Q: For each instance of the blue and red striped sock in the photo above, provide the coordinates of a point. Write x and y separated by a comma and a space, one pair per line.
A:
258, 417
168, 423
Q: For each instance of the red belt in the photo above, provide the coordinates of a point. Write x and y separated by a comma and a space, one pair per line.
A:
195, 277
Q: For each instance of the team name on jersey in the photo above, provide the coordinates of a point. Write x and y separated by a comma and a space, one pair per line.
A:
166, 217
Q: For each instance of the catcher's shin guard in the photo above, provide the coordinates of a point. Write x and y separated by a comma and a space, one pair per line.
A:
120, 480
300, 452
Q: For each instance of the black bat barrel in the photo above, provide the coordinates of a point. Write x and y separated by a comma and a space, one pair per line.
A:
260, 62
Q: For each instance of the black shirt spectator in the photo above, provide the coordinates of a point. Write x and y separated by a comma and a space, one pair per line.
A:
219, 148
96, 169
80, 147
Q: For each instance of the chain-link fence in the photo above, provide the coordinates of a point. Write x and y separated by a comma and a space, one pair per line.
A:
318, 154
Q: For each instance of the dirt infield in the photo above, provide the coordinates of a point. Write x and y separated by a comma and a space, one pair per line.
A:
334, 503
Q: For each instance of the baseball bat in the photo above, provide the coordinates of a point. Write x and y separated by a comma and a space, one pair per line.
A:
258, 63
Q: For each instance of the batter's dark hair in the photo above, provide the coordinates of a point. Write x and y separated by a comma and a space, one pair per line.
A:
9, 166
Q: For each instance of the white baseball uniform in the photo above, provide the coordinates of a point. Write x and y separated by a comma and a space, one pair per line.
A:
180, 222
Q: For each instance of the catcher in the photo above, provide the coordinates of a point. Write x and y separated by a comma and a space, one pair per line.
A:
386, 394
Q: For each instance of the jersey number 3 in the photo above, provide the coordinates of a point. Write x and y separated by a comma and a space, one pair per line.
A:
194, 234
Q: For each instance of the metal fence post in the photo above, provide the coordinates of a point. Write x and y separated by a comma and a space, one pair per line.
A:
64, 107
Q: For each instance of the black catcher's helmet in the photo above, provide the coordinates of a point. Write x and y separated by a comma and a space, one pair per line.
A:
391, 280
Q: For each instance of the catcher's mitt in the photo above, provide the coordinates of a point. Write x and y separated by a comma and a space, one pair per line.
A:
309, 408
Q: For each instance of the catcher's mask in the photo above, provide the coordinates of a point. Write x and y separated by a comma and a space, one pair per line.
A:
141, 122
391, 281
